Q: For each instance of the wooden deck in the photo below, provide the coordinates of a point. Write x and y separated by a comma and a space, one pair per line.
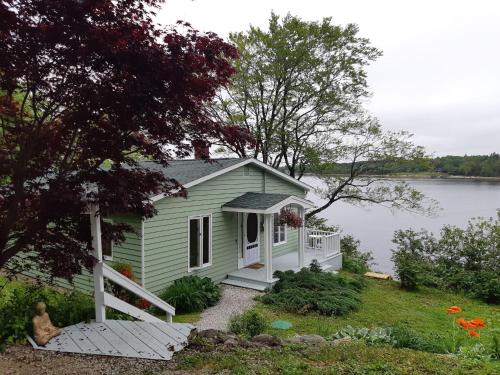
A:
121, 338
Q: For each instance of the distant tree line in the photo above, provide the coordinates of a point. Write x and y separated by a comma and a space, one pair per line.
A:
473, 165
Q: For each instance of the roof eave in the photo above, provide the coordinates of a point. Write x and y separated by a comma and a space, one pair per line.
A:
235, 166
273, 209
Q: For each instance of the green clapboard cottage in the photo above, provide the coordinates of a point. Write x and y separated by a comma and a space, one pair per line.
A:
226, 229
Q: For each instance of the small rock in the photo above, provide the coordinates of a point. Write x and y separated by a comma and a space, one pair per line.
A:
231, 342
342, 341
267, 340
248, 344
308, 339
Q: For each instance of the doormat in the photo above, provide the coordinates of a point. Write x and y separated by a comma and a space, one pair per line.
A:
256, 266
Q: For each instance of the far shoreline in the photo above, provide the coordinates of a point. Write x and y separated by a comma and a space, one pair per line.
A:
419, 177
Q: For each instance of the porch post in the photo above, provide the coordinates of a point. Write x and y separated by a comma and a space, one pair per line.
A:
301, 238
95, 230
268, 246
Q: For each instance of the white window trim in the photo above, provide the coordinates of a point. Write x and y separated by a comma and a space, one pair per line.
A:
285, 228
109, 257
191, 269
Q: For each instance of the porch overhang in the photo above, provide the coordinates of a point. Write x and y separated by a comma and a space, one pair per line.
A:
265, 203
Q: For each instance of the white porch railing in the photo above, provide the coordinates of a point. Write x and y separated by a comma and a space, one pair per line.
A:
322, 242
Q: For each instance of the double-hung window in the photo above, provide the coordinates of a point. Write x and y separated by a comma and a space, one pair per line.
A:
200, 241
279, 235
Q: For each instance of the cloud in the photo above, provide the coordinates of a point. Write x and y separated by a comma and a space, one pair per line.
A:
439, 77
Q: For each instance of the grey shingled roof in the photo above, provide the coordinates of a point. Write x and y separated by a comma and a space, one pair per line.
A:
185, 171
258, 201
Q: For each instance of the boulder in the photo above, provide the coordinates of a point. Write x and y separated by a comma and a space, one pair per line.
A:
214, 335
231, 342
267, 340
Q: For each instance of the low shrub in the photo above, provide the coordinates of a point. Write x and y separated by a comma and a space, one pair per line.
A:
191, 294
368, 335
399, 337
353, 260
249, 324
465, 260
472, 355
314, 291
405, 337
407, 267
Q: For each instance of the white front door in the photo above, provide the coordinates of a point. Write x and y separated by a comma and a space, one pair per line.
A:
251, 238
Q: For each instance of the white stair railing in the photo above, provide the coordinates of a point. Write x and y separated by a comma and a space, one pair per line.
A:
323, 242
131, 286
102, 271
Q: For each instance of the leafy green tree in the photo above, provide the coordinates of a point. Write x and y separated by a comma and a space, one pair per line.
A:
299, 90
296, 83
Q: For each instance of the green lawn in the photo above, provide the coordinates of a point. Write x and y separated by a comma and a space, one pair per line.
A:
384, 304
352, 359
187, 318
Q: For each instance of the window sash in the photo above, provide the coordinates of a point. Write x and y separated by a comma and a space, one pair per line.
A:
106, 241
279, 232
200, 242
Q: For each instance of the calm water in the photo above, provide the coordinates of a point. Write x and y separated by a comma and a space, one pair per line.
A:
374, 226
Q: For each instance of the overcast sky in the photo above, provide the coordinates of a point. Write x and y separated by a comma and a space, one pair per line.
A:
439, 77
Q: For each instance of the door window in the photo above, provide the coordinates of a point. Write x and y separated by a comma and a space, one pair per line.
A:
252, 227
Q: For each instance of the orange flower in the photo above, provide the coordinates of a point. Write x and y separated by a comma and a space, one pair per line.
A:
454, 310
465, 324
477, 323
473, 333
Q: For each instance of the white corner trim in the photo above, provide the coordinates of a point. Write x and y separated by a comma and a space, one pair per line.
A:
238, 165
143, 260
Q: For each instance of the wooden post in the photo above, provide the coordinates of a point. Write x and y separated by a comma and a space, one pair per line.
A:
95, 229
268, 246
301, 238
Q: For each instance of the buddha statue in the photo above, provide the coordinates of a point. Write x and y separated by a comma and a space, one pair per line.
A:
43, 329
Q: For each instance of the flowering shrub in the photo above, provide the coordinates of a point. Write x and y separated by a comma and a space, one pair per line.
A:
122, 293
290, 218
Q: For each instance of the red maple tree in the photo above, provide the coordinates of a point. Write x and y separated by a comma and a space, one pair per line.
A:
87, 82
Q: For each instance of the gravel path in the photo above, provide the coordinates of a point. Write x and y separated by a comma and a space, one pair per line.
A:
234, 301
24, 360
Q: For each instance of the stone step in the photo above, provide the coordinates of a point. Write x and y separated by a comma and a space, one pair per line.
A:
249, 284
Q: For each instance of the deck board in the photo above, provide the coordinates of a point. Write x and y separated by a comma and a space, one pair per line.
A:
162, 336
121, 338
149, 340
